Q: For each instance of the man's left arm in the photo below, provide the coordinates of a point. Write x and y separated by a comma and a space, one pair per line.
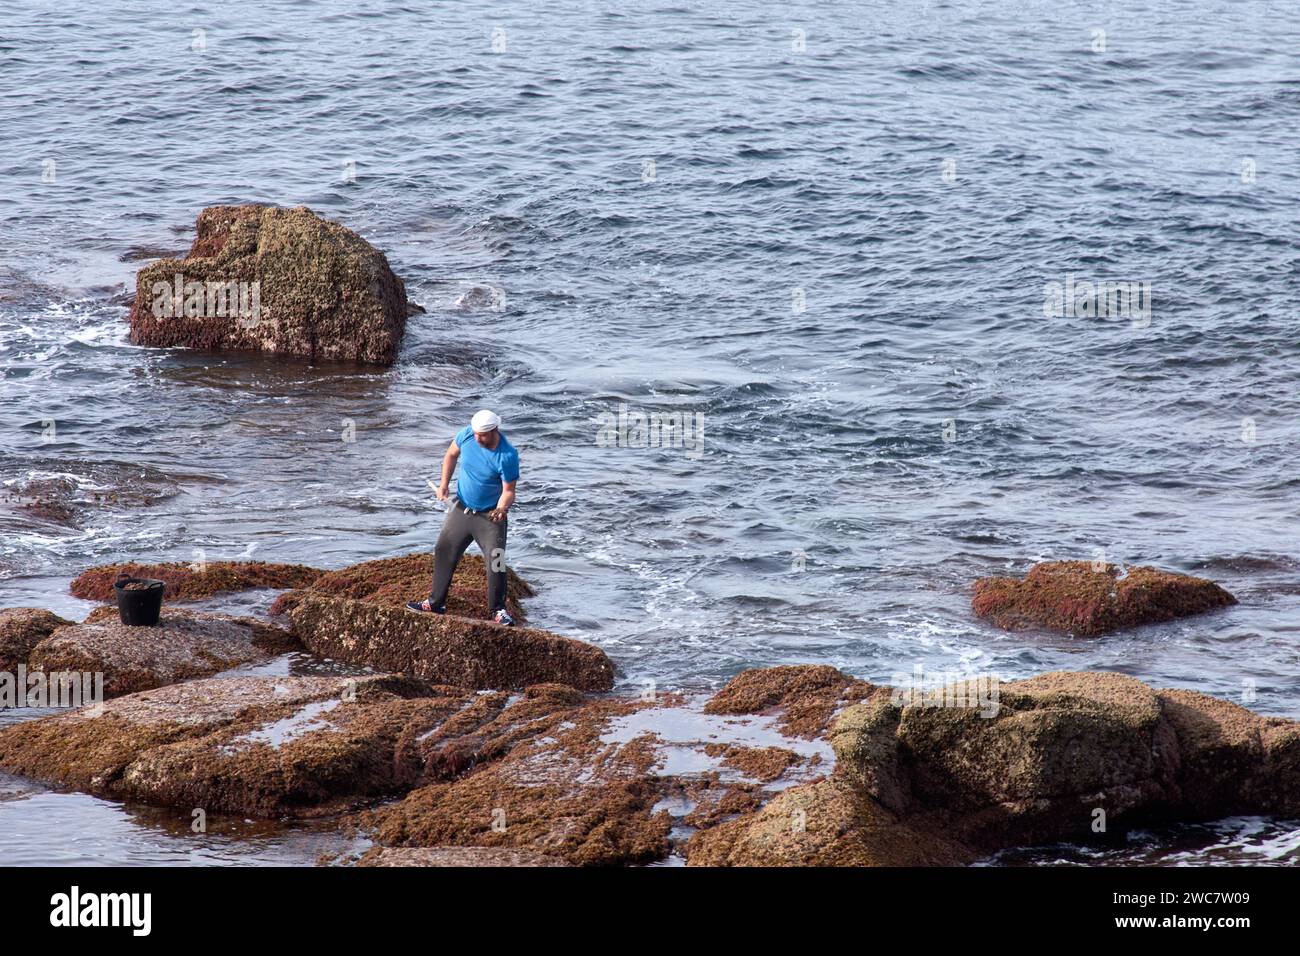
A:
505, 501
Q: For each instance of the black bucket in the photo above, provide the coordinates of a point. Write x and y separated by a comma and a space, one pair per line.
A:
139, 606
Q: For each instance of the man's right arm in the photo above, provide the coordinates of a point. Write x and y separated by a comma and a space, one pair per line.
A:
448, 469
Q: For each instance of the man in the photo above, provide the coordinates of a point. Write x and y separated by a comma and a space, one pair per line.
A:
489, 468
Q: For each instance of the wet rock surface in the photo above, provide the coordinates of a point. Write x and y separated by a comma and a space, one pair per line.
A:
544, 780
826, 823
392, 582
190, 582
598, 782
446, 648
483, 745
456, 856
323, 292
1075, 597
552, 774
805, 695
69, 492
920, 784
21, 629
260, 746
184, 645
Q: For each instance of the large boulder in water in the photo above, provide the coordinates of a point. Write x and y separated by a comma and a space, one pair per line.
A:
1080, 598
936, 779
1060, 748
283, 281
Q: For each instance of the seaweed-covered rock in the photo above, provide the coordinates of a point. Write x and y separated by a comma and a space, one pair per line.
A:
823, 824
529, 772
807, 695
455, 856
1230, 759
185, 582
21, 629
67, 491
183, 645
50, 499
446, 648
1077, 598
282, 281
1062, 747
393, 582
260, 746
536, 774
1063, 756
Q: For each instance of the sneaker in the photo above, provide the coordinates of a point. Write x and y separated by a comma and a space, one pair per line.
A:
425, 607
503, 618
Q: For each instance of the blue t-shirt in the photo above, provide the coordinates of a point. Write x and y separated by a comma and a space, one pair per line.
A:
483, 470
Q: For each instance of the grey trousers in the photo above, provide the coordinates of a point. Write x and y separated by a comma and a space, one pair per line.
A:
460, 527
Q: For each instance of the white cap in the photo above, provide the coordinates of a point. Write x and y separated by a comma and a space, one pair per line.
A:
485, 421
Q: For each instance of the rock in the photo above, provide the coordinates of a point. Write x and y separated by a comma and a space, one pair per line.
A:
1061, 746
271, 638
525, 772
302, 287
1072, 597
446, 648
390, 582
867, 753
1276, 785
807, 695
551, 773
53, 510
266, 747
393, 582
716, 804
21, 629
455, 856
67, 491
53, 499
184, 583
1227, 756
183, 646
924, 784
536, 775
763, 764
822, 824
596, 782
145, 252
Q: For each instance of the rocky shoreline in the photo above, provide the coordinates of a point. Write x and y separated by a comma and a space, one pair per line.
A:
460, 742
455, 741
